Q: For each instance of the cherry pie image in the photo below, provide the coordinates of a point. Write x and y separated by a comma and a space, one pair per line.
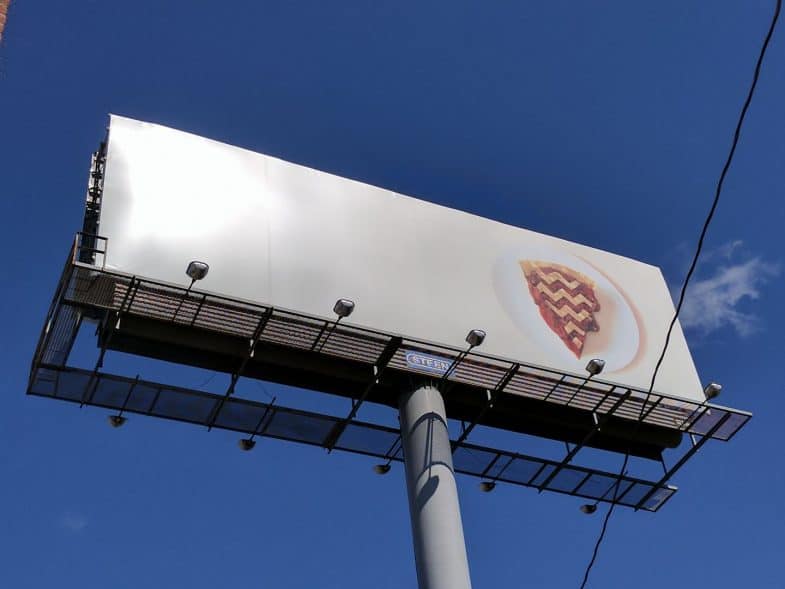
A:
566, 300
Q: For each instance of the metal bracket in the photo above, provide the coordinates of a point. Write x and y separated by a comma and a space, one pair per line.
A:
237, 373
319, 335
493, 395
128, 396
378, 368
587, 438
333, 326
93, 382
450, 369
553, 389
687, 455
261, 425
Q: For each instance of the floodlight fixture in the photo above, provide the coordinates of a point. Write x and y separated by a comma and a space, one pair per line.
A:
589, 508
343, 308
595, 366
116, 420
381, 468
246, 444
712, 390
475, 337
197, 270
487, 486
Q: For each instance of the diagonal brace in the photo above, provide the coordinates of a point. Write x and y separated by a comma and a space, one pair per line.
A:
687, 455
92, 383
378, 369
587, 438
494, 394
237, 373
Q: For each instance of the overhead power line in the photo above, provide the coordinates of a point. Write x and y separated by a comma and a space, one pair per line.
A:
704, 231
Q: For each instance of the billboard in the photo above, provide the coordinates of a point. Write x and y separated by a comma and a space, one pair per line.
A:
279, 233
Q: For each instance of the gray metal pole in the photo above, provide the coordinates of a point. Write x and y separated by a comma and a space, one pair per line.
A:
439, 548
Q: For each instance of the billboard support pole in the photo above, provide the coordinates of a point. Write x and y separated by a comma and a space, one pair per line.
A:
437, 530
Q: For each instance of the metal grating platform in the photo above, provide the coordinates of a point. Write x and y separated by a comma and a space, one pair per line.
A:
87, 290
268, 420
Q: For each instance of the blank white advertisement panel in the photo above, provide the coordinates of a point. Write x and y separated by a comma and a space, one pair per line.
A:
282, 234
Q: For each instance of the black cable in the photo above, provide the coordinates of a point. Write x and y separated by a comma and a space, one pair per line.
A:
605, 520
690, 272
720, 183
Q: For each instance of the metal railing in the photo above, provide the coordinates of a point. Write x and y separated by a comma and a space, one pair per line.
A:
92, 290
110, 290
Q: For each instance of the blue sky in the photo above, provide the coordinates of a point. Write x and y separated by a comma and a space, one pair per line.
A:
603, 123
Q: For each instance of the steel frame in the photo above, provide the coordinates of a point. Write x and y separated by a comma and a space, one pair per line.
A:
88, 288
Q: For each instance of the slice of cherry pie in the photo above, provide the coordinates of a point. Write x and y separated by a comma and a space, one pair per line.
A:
566, 299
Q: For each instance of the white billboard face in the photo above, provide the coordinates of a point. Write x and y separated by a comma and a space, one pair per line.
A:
283, 234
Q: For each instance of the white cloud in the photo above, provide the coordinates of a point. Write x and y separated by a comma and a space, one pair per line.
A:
712, 303
74, 522
725, 251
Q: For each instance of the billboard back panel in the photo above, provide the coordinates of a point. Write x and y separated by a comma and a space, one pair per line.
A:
283, 234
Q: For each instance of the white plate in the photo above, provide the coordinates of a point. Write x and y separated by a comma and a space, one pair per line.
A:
618, 338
